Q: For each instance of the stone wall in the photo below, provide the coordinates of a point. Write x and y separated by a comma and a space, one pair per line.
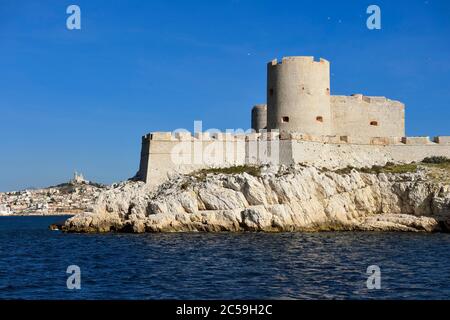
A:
164, 154
341, 151
362, 116
336, 156
442, 140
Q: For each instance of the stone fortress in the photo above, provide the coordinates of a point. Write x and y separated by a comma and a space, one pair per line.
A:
301, 123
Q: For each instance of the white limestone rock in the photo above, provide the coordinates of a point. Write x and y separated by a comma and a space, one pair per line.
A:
296, 198
215, 197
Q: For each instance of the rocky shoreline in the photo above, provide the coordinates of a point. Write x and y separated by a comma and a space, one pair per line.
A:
277, 199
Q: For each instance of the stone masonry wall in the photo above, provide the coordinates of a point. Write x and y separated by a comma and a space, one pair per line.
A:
164, 154
362, 116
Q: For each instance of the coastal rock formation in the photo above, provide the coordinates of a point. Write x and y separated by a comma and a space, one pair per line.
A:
279, 199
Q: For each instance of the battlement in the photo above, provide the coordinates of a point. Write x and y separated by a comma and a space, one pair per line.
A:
297, 59
260, 106
442, 140
340, 139
164, 153
264, 135
358, 97
210, 136
416, 140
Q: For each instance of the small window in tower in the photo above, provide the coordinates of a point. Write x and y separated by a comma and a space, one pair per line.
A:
374, 123
285, 119
328, 90
271, 92
319, 119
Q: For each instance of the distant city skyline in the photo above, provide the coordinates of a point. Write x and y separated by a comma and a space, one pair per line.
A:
80, 100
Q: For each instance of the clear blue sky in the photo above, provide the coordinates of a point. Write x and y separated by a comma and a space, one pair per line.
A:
81, 100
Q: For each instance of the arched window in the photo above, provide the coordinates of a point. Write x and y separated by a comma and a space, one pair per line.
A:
319, 119
374, 123
271, 92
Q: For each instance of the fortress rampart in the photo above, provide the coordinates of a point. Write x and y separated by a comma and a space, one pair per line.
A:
360, 115
164, 154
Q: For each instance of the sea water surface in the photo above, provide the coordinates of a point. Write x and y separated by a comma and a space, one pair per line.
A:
34, 261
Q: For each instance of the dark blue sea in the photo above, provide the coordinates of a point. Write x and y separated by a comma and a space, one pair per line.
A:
34, 261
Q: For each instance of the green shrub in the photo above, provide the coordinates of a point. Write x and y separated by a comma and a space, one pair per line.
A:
251, 170
436, 160
345, 170
399, 168
388, 168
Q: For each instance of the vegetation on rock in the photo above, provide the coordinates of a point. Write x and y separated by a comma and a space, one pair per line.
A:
251, 170
436, 160
388, 168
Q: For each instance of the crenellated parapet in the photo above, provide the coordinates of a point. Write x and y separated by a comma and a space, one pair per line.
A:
210, 136
299, 59
166, 153
367, 99
445, 140
264, 135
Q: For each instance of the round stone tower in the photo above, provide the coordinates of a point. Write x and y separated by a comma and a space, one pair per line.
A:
259, 117
298, 95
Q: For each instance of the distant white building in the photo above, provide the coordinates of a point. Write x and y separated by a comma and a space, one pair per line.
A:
78, 178
41, 207
5, 210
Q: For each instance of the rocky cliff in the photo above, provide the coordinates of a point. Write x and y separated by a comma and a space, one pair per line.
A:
275, 199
